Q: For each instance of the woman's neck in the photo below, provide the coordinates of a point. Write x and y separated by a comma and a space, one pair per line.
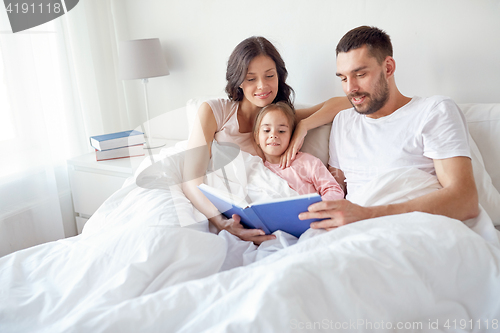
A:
246, 115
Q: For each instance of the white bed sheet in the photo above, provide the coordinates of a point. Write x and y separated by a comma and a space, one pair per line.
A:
414, 269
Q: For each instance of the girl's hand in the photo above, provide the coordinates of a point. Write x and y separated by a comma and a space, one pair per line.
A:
294, 146
234, 227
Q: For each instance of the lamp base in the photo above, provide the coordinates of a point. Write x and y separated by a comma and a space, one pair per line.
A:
152, 143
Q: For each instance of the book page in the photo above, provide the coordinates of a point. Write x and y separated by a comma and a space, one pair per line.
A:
226, 195
297, 197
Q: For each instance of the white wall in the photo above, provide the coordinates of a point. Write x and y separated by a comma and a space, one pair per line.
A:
446, 47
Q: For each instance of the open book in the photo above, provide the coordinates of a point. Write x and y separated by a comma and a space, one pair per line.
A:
278, 214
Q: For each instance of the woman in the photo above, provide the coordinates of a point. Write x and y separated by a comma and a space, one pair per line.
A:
256, 77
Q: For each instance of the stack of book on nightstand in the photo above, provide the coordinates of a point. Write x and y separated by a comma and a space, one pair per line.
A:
118, 145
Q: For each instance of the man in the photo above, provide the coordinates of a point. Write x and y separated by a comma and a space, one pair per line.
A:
386, 130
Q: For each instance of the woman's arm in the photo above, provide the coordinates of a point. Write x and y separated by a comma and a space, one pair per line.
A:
195, 166
311, 118
196, 162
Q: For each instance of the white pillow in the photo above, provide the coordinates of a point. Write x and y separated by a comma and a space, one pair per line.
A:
484, 125
483, 121
316, 143
489, 197
317, 139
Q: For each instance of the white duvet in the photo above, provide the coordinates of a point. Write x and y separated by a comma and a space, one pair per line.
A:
134, 269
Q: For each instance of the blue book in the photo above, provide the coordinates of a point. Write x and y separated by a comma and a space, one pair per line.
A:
117, 140
277, 214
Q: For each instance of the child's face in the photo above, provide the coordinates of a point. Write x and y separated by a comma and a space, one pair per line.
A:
274, 135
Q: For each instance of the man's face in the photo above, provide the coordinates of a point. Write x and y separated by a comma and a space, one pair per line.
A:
363, 80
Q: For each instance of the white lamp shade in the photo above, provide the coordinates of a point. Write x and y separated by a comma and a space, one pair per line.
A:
141, 59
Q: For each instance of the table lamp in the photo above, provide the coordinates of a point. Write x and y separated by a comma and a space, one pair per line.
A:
143, 59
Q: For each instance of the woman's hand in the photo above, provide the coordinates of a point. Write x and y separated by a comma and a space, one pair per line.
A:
233, 226
294, 145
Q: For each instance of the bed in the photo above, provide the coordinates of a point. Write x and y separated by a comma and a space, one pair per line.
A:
147, 261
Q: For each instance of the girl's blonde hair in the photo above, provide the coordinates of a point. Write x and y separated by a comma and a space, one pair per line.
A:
287, 110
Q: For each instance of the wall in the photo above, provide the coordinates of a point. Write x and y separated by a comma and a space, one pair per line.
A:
446, 47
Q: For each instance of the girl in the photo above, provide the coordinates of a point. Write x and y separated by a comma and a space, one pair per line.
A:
256, 76
273, 129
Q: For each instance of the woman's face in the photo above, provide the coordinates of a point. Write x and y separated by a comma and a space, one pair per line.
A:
274, 135
260, 86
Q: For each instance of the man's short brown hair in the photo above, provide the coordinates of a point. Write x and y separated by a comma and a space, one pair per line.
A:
378, 42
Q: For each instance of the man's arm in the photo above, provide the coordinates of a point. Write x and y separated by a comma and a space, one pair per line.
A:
457, 199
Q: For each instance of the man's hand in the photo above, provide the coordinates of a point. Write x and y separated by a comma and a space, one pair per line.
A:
336, 213
257, 236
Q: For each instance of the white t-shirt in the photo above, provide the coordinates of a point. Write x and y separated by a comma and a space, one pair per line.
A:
412, 136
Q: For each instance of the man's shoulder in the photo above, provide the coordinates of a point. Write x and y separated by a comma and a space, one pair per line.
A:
433, 106
439, 113
434, 101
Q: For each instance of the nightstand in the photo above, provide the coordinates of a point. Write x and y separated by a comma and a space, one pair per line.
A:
92, 182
